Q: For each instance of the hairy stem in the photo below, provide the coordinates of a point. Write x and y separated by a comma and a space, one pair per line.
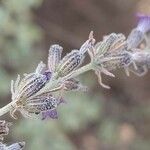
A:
78, 71
6, 108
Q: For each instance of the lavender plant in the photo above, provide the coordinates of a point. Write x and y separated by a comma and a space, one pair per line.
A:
37, 95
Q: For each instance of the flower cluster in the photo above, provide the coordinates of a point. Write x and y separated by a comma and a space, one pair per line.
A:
109, 54
4, 130
38, 94
115, 51
24, 91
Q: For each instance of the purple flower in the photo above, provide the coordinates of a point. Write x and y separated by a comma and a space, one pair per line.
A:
137, 35
50, 114
143, 23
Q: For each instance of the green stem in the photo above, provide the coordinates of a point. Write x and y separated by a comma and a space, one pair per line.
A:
78, 71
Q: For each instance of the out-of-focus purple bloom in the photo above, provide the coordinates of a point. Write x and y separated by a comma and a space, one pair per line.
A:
144, 23
137, 35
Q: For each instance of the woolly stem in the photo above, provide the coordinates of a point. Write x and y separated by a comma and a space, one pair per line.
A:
7, 108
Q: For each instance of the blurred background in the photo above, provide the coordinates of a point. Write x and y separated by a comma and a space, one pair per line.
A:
115, 119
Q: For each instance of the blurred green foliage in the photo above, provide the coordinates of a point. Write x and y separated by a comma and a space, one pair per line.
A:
19, 34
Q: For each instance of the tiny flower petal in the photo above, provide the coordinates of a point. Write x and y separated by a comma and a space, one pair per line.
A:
50, 114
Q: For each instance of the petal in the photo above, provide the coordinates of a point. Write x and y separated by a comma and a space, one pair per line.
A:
50, 114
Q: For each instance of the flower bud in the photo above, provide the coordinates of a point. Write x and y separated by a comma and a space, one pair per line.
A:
30, 85
104, 46
87, 45
54, 57
40, 68
70, 62
109, 42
